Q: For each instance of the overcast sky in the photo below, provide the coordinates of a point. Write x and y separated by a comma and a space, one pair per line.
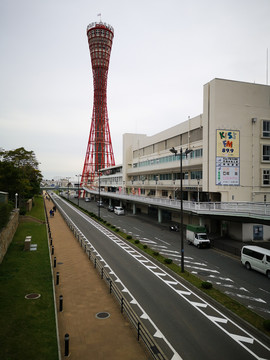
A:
163, 53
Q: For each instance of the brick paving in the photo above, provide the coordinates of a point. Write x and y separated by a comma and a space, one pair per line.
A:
85, 295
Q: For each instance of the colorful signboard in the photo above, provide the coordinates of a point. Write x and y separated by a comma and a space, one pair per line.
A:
228, 157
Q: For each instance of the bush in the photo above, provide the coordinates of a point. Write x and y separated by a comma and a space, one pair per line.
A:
113, 226
22, 211
207, 285
137, 241
145, 246
155, 253
116, 230
5, 210
266, 325
168, 261
129, 237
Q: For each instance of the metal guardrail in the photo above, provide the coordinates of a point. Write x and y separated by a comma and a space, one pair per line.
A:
141, 331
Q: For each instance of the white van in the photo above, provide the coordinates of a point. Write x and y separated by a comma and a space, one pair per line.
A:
256, 258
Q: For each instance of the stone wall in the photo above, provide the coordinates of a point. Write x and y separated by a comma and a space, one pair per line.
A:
6, 235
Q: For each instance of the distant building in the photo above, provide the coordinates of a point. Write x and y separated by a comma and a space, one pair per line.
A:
3, 197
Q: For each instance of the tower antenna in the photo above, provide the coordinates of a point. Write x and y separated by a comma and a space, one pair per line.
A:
99, 17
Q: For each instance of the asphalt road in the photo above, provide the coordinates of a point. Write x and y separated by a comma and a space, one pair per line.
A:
250, 288
183, 323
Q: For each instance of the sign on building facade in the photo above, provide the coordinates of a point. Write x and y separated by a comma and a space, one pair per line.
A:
228, 157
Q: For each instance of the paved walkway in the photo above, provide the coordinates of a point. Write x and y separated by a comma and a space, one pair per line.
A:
85, 295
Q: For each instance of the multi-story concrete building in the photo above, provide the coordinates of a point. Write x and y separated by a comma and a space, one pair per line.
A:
228, 167
230, 160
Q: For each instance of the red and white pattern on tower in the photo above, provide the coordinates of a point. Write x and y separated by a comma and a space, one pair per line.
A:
99, 153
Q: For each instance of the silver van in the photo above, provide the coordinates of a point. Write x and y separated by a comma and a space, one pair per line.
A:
256, 258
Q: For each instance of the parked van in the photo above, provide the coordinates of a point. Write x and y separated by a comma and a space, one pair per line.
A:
118, 210
256, 258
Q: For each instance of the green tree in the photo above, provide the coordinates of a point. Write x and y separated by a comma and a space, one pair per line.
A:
19, 173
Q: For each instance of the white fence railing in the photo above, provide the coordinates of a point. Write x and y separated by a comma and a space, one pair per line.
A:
233, 208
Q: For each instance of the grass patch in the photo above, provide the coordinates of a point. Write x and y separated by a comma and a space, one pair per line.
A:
28, 328
37, 209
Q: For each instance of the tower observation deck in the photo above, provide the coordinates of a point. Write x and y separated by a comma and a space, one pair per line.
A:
99, 152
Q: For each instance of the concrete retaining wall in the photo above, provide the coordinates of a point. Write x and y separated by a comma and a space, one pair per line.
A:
6, 235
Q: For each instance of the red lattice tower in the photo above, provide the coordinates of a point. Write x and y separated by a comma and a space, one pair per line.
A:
99, 153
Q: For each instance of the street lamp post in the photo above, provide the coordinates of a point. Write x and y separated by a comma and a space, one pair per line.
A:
16, 201
187, 151
78, 189
68, 185
198, 190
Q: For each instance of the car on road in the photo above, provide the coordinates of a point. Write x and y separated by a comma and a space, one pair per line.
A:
87, 199
118, 210
256, 258
100, 204
110, 208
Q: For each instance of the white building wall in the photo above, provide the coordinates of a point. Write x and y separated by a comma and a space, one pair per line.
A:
232, 105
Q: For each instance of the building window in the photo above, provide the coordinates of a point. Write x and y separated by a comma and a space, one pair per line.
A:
196, 174
266, 128
266, 153
266, 177
196, 153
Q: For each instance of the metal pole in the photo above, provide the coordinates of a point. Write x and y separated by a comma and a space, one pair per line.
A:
61, 303
182, 230
78, 188
16, 201
99, 193
57, 278
66, 344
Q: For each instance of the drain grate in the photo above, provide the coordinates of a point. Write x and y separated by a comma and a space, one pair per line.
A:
32, 296
102, 315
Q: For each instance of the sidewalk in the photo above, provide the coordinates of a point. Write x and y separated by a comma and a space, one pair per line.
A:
84, 296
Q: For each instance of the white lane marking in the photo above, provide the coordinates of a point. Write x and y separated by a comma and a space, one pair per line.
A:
259, 309
195, 263
229, 286
246, 297
165, 253
221, 278
158, 334
172, 252
217, 319
147, 241
264, 290
162, 241
158, 247
198, 304
202, 269
243, 339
